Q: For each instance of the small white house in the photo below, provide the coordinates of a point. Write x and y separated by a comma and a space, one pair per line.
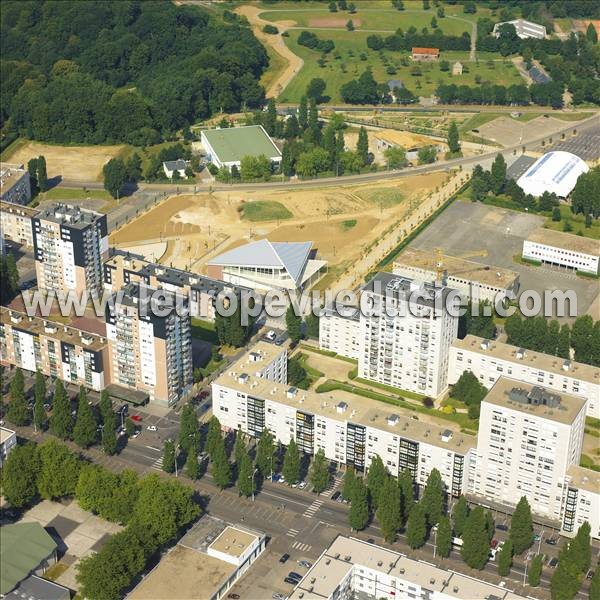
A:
170, 166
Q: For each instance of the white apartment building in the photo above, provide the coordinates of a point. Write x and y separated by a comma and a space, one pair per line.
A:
70, 245
474, 281
408, 350
582, 502
150, 352
8, 440
352, 568
489, 360
528, 439
15, 223
350, 429
563, 250
340, 333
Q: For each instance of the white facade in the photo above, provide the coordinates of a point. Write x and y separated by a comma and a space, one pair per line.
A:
557, 171
524, 29
410, 350
15, 223
569, 258
8, 440
528, 439
490, 360
339, 333
582, 502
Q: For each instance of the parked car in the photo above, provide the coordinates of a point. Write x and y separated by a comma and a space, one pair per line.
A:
136, 433
551, 541
493, 544
284, 558
590, 574
234, 596
553, 562
502, 527
152, 428
336, 495
291, 581
302, 485
136, 417
278, 596
537, 537
294, 575
305, 564
270, 335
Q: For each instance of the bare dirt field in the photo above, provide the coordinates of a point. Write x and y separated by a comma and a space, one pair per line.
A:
582, 24
330, 22
504, 129
342, 223
80, 163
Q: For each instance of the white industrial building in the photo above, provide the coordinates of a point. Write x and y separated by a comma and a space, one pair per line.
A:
582, 502
340, 333
351, 568
528, 439
489, 360
563, 250
524, 29
555, 172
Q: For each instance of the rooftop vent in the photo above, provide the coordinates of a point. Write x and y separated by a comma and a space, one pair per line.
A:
50, 327
254, 357
520, 353
341, 407
485, 345
566, 365
348, 558
379, 563
401, 570
15, 318
291, 393
538, 396
432, 581
455, 589
393, 420
446, 435
243, 378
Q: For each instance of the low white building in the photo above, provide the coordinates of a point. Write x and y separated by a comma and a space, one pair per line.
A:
340, 333
8, 440
351, 568
474, 281
525, 29
489, 360
170, 167
563, 250
582, 501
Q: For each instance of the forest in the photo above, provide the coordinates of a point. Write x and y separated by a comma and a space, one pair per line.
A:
130, 71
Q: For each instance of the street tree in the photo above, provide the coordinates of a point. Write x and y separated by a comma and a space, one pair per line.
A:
580, 548
444, 537
115, 176
475, 548
109, 434
39, 413
362, 146
407, 493
42, 174
389, 512
566, 579
220, 468
213, 436
434, 498
358, 516
303, 113
239, 447
521, 527
453, 138
245, 481
460, 514
293, 323
505, 558
376, 477
319, 472
265, 452
189, 435
19, 475
535, 570
349, 483
61, 421
498, 174
291, 463
59, 470
105, 405
416, 526
85, 431
595, 585
168, 461
18, 411
192, 467
395, 157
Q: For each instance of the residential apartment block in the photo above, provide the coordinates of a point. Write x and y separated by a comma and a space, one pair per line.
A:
350, 429
340, 333
148, 351
70, 245
15, 184
352, 568
528, 439
15, 223
582, 501
54, 349
490, 360
408, 350
474, 281
8, 440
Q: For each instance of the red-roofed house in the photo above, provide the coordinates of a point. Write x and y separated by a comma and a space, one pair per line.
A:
425, 53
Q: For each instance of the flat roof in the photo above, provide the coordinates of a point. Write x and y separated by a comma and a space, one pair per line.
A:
584, 479
233, 143
458, 267
567, 241
333, 565
69, 215
10, 175
184, 574
60, 331
357, 409
38, 588
570, 406
26, 211
5, 434
543, 362
233, 541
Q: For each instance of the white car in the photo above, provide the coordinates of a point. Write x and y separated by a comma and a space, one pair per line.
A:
152, 428
302, 485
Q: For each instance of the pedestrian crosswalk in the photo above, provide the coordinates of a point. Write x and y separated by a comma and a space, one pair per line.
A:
157, 464
313, 508
292, 532
302, 547
334, 484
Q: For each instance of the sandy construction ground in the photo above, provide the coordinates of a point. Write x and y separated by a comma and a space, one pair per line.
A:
276, 42
80, 163
343, 223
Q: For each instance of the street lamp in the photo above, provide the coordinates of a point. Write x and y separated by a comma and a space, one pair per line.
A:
252, 477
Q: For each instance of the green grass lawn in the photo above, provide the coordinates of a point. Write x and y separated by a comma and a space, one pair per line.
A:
204, 330
384, 197
577, 222
348, 224
265, 210
349, 46
66, 193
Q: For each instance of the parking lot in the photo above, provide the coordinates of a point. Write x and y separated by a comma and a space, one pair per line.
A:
494, 236
586, 145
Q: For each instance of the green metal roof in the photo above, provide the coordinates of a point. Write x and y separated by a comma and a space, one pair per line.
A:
233, 143
23, 547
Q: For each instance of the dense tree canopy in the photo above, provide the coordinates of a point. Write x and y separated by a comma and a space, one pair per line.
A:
91, 72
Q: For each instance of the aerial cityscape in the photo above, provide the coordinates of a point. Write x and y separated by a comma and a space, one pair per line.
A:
300, 299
